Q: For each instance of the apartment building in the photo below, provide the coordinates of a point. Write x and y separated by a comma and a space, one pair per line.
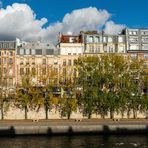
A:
137, 44
71, 47
97, 43
44, 60
38, 60
7, 63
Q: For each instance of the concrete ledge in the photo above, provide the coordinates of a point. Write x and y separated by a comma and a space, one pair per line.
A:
72, 129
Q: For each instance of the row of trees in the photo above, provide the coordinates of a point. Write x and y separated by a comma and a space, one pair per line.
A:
105, 84
112, 83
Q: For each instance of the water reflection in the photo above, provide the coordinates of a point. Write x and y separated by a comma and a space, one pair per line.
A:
116, 141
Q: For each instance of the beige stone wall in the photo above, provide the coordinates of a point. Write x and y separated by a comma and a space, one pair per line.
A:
14, 113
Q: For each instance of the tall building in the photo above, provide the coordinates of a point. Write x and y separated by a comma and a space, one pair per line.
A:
37, 59
45, 61
96, 43
137, 44
7, 63
70, 47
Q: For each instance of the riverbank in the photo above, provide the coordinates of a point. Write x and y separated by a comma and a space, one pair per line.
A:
54, 127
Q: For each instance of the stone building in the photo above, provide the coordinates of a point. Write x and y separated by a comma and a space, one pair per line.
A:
7, 63
137, 44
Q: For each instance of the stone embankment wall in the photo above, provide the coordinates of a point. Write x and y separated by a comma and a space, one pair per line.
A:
72, 129
14, 113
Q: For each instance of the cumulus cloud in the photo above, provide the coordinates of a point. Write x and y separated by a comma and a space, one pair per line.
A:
112, 28
19, 20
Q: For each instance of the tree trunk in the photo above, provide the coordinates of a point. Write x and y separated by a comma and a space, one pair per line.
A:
68, 115
89, 115
46, 111
26, 113
2, 111
122, 114
111, 114
134, 114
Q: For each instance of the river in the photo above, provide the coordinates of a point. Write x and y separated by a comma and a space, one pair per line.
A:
83, 141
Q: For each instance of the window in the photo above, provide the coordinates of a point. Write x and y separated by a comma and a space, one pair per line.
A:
27, 71
27, 51
133, 56
49, 51
144, 47
6, 45
64, 71
110, 49
33, 61
21, 63
133, 39
44, 61
69, 62
97, 39
21, 71
10, 61
146, 56
110, 39
91, 39
33, 51
134, 47
21, 51
144, 40
75, 62
55, 62
97, 49
5, 81
10, 82
33, 71
64, 62
104, 39
27, 62
11, 53
120, 39
43, 71
132, 32
5, 70
5, 60
144, 32
38, 51
56, 70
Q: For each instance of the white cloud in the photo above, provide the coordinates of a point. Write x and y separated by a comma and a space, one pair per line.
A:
112, 28
19, 20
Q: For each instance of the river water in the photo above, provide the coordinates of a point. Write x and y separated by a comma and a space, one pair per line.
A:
93, 141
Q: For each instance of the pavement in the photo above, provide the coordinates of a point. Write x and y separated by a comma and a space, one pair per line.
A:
62, 122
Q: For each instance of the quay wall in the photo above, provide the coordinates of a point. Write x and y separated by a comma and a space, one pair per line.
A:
72, 129
15, 113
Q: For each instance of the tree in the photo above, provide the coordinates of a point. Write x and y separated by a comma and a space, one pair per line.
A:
68, 102
24, 94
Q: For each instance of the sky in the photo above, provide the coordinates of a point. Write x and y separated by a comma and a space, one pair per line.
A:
44, 19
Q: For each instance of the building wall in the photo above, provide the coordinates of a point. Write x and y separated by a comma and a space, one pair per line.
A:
7, 63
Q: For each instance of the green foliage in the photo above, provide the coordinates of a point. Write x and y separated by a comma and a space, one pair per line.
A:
110, 83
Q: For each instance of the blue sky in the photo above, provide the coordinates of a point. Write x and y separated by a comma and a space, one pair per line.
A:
133, 13
69, 16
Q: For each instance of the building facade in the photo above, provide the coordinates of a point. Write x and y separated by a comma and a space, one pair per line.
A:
8, 63
44, 61
137, 44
